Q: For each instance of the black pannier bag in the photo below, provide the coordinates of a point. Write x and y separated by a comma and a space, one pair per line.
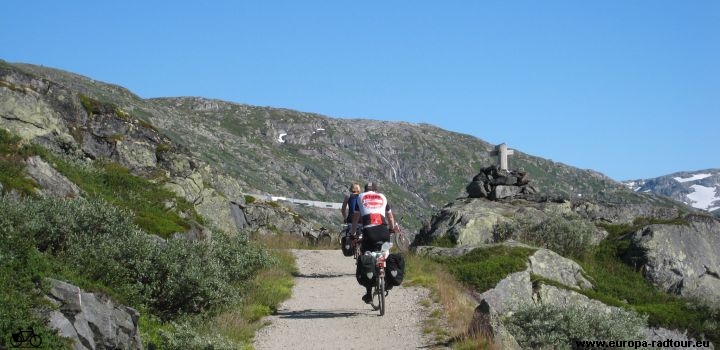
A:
346, 245
394, 269
365, 272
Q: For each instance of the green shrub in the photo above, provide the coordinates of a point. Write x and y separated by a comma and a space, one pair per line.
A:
182, 336
544, 326
23, 270
156, 209
565, 234
95, 107
445, 241
101, 243
483, 268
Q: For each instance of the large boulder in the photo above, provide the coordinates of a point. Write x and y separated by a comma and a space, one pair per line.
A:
552, 266
92, 321
473, 221
682, 258
51, 182
467, 221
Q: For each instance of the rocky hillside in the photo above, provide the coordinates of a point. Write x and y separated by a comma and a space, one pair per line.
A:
588, 242
306, 155
658, 265
700, 189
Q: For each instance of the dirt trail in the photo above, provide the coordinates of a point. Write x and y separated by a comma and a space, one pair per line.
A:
325, 311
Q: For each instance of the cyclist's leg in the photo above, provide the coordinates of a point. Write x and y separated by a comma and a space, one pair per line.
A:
367, 298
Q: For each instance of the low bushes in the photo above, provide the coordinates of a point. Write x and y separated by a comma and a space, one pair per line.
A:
545, 326
100, 243
566, 234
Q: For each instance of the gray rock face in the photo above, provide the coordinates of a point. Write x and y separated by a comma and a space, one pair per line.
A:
268, 218
53, 115
468, 221
473, 221
622, 213
683, 259
92, 321
53, 183
551, 265
517, 289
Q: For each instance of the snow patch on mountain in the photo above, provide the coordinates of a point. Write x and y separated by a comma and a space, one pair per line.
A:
636, 185
703, 197
692, 178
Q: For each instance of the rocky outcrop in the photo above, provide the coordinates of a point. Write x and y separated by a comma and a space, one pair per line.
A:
622, 213
518, 289
51, 182
271, 218
69, 123
471, 221
682, 258
92, 321
552, 266
474, 220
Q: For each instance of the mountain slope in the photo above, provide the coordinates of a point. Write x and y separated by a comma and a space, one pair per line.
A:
305, 155
699, 189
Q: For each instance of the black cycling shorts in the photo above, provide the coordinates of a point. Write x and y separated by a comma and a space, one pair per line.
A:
373, 235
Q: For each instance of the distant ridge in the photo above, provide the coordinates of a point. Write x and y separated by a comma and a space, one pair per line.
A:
699, 189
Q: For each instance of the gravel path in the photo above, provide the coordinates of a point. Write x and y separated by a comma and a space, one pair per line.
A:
325, 311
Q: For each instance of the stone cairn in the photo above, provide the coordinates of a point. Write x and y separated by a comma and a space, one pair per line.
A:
494, 184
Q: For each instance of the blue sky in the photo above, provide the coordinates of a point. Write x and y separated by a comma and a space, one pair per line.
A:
629, 88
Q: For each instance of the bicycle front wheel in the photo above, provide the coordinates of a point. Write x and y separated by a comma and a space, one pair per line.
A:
35, 341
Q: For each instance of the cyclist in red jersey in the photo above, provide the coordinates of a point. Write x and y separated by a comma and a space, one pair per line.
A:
373, 209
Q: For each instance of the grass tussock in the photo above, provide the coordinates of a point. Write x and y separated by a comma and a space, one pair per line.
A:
266, 291
282, 240
483, 268
456, 307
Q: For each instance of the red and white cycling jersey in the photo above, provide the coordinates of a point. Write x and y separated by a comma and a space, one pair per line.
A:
373, 206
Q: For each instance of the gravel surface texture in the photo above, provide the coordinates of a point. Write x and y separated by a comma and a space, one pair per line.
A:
326, 312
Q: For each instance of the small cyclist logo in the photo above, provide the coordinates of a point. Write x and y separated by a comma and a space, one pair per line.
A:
23, 336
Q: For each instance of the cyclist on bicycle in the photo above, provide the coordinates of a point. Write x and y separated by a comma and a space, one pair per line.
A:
374, 210
348, 206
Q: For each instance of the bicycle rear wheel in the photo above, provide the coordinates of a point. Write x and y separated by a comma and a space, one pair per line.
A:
356, 248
